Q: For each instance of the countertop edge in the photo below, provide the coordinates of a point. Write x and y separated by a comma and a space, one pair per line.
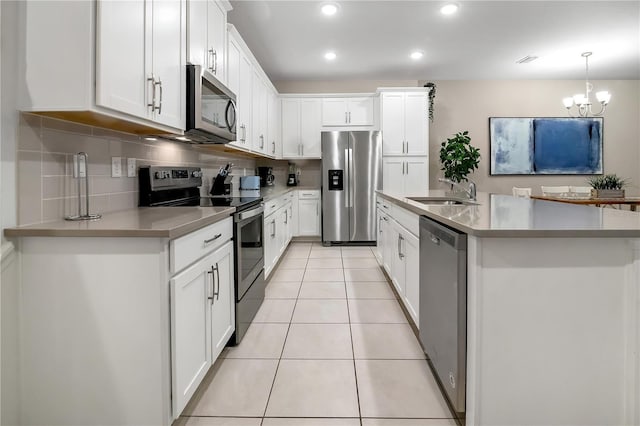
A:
515, 233
170, 233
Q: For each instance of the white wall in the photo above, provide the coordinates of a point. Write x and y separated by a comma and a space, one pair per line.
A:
467, 105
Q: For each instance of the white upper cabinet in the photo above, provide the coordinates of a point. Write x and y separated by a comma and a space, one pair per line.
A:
207, 35
405, 125
259, 113
406, 176
352, 111
122, 68
274, 142
139, 65
301, 127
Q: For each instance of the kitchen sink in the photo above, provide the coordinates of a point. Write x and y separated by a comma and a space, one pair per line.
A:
443, 201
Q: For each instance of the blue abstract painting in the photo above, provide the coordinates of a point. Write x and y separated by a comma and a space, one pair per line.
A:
551, 146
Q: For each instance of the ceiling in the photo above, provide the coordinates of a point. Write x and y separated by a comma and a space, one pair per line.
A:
373, 39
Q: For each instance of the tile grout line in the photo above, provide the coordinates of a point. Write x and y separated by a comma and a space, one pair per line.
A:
264, 414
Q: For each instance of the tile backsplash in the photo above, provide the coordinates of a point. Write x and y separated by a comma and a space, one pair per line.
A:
47, 190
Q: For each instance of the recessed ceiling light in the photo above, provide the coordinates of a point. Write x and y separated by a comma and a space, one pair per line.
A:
416, 55
329, 9
330, 56
449, 9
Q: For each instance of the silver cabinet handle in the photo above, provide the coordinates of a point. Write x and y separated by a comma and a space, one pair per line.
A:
407, 142
317, 212
261, 141
346, 115
159, 107
273, 151
286, 217
380, 224
400, 255
210, 59
210, 240
407, 163
349, 117
214, 294
152, 80
244, 133
403, 167
302, 149
215, 62
273, 225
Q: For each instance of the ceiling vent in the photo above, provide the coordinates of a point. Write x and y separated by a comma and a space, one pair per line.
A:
526, 59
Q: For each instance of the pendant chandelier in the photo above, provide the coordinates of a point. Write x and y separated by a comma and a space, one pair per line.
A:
582, 101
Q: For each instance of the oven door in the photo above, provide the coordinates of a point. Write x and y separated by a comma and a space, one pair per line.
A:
249, 248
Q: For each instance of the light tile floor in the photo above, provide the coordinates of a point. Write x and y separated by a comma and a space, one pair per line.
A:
329, 347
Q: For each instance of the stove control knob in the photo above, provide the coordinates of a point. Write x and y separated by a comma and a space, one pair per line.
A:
158, 175
162, 175
196, 174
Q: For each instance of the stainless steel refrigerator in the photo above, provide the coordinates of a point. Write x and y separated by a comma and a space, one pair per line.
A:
351, 173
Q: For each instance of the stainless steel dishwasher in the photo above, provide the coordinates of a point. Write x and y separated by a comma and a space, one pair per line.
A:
443, 306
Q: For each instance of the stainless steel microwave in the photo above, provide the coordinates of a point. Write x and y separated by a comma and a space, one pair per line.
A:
211, 108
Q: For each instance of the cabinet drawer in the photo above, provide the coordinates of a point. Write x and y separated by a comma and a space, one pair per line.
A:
185, 250
312, 194
272, 205
407, 219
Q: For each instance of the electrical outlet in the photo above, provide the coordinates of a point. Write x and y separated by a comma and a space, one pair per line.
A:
116, 166
131, 167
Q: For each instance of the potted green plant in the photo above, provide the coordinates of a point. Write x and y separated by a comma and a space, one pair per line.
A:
458, 157
607, 186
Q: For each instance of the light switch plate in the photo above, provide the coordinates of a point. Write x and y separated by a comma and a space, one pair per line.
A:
116, 166
131, 167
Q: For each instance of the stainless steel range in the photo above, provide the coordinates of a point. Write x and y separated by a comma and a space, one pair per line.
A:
179, 186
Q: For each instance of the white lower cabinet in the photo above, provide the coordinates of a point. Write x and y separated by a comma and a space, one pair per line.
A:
309, 219
400, 253
277, 230
202, 319
408, 176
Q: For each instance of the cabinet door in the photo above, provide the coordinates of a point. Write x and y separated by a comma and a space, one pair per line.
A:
411, 251
216, 39
274, 145
222, 300
379, 230
290, 128
190, 330
416, 124
310, 123
309, 217
416, 177
360, 111
283, 221
258, 99
386, 243
197, 32
393, 174
168, 63
121, 35
396, 257
233, 76
289, 223
270, 243
334, 112
392, 121
244, 101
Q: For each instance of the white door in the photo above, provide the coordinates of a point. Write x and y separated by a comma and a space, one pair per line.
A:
360, 111
416, 176
393, 174
168, 63
392, 124
290, 114
244, 103
334, 112
416, 124
190, 330
216, 39
121, 66
310, 124
222, 303
309, 217
274, 145
411, 251
197, 34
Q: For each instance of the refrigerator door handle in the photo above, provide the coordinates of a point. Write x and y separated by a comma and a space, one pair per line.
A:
350, 181
346, 178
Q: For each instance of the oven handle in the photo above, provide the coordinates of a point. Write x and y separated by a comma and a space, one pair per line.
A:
239, 217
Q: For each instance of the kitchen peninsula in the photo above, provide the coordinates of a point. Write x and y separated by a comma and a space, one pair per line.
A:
553, 302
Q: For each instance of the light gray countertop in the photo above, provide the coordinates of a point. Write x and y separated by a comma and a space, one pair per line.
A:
499, 215
158, 222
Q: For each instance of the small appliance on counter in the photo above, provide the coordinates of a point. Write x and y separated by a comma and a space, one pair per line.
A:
250, 182
292, 180
266, 176
222, 182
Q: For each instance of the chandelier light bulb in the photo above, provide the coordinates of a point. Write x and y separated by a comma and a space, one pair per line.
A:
449, 9
568, 102
329, 9
603, 97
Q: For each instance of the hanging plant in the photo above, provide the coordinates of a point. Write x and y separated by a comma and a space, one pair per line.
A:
432, 96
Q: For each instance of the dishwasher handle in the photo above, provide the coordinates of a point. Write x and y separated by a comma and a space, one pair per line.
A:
441, 234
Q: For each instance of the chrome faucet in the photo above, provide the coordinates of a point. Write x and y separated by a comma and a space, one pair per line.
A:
471, 192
